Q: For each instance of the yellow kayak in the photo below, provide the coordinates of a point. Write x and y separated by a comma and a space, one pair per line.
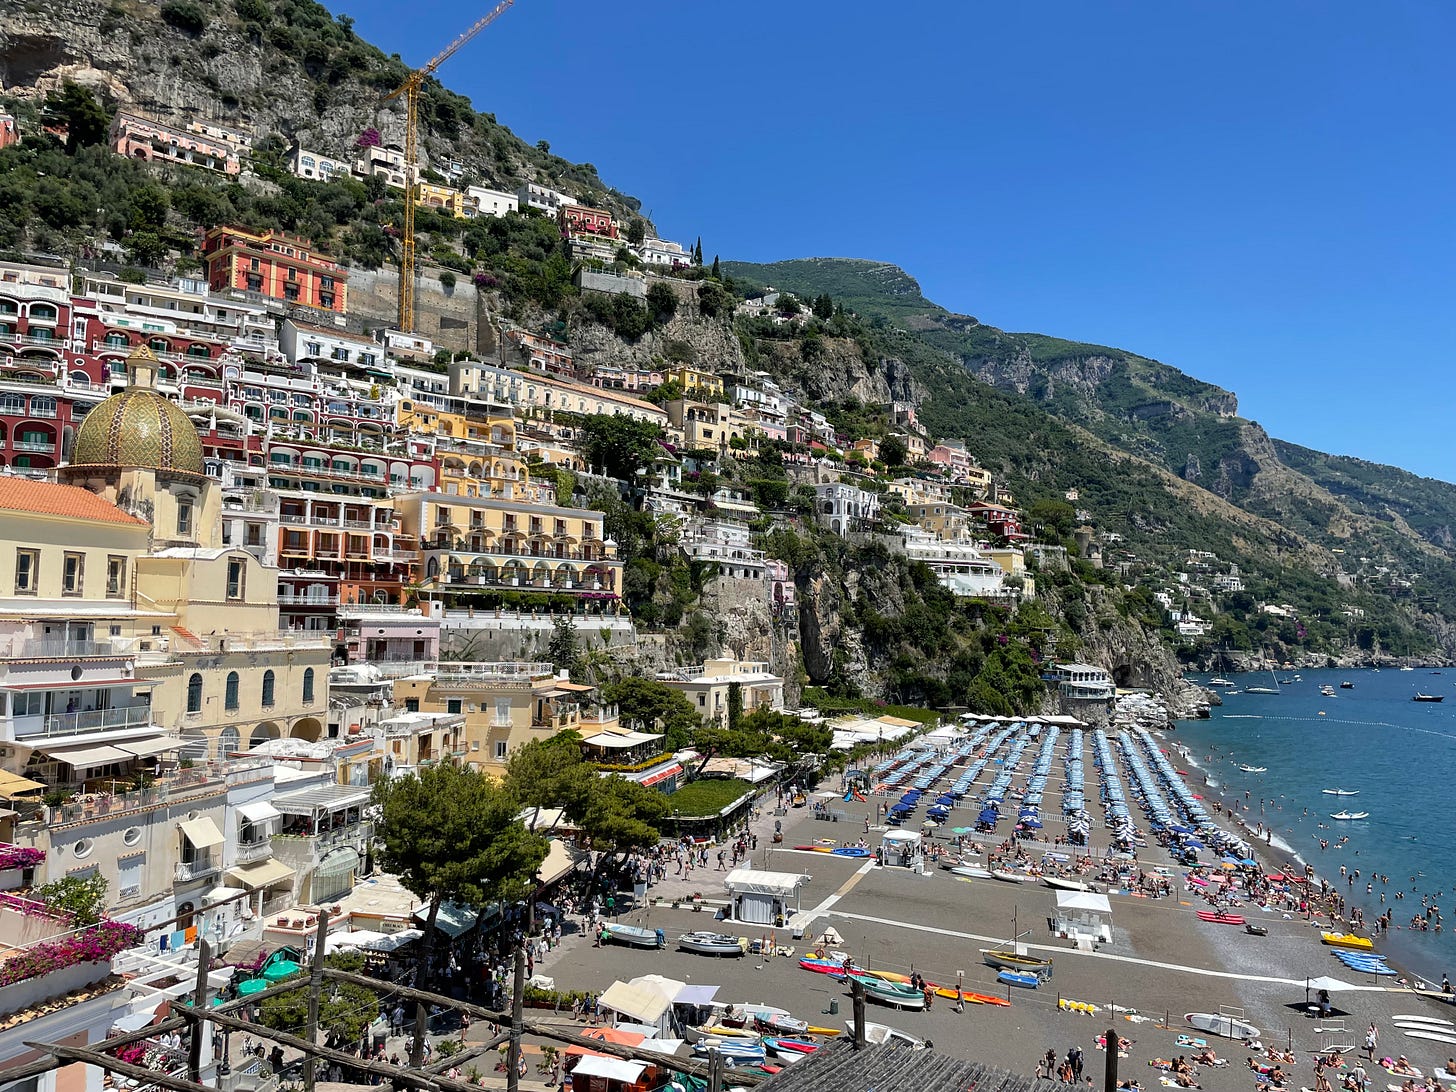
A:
812, 1030
1347, 940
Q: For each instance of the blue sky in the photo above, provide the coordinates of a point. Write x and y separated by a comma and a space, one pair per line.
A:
1257, 193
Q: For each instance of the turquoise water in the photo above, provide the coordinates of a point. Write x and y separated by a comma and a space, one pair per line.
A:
1400, 754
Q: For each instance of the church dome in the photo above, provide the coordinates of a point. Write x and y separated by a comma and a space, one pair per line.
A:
138, 427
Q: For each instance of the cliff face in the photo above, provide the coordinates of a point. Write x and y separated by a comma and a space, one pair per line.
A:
836, 369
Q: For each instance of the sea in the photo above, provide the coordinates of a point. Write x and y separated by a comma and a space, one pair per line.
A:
1401, 756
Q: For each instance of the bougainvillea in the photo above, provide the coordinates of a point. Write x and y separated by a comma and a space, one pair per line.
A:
20, 857
102, 942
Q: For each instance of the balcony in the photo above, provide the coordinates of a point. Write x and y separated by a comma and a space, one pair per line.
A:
97, 720
202, 780
199, 869
52, 648
42, 411
46, 447
58, 344
252, 852
291, 600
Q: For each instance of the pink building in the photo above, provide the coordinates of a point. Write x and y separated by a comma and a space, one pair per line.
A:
581, 220
142, 138
952, 455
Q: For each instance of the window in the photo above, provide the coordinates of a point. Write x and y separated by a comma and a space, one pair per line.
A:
307, 685
454, 706
268, 685
184, 515
194, 693
129, 875
502, 710
115, 575
236, 578
230, 697
500, 750
73, 571
27, 571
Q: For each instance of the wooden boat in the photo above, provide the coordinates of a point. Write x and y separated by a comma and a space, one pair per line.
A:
1347, 940
1016, 978
1220, 918
1010, 960
634, 935
774, 1024
884, 1035
892, 993
716, 944
1061, 883
1216, 1023
1007, 877
1429, 697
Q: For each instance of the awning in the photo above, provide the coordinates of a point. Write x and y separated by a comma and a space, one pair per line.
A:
81, 758
696, 995
202, 833
259, 874
13, 785
145, 748
340, 861
748, 881
454, 919
259, 811
558, 863
662, 775
641, 1003
615, 740
612, 1069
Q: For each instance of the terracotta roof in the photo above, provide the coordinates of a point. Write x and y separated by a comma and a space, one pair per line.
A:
50, 499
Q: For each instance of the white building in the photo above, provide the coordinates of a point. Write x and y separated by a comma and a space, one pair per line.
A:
663, 252
725, 545
1082, 682
844, 508
302, 342
707, 686
536, 196
960, 567
480, 201
383, 162
315, 166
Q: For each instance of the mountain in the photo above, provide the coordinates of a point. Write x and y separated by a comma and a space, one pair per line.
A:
1357, 524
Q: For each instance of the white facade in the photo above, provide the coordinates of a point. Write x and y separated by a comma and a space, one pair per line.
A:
385, 163
536, 196
843, 508
302, 342
663, 252
725, 545
960, 568
480, 201
315, 166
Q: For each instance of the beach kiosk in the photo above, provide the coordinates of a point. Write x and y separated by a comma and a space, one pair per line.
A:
903, 849
763, 898
1083, 917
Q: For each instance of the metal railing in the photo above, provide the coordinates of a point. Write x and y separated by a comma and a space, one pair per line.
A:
204, 779
42, 648
288, 600
95, 720
249, 852
33, 445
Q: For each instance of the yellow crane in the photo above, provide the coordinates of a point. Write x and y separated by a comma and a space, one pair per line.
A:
410, 89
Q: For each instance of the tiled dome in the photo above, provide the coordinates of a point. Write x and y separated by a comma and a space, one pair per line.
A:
138, 427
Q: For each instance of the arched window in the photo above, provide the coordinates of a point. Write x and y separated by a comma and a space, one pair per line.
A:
194, 693
230, 698
115, 340
307, 685
268, 687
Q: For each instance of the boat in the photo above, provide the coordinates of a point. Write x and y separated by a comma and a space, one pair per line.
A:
1219, 680
1327, 691
1008, 960
718, 944
634, 935
884, 1035
734, 1050
1347, 940
1428, 697
1007, 877
789, 1050
1254, 769
1216, 1023
970, 872
949, 992
1350, 815
1061, 883
895, 994
1261, 690
1219, 918
1016, 978
1347, 686
1340, 792
1423, 1020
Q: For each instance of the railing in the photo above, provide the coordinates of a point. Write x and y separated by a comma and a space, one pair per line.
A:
448, 670
96, 720
350, 610
41, 648
257, 642
33, 445
55, 343
249, 852
195, 870
204, 779
287, 600
42, 411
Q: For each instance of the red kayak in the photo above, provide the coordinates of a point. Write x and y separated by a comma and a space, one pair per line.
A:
1220, 918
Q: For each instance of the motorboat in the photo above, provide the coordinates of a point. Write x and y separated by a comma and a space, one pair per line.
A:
1428, 697
1261, 690
634, 935
1219, 680
1327, 691
1350, 815
1347, 685
1018, 960
1217, 1023
716, 944
1340, 792
884, 1035
1347, 940
1254, 769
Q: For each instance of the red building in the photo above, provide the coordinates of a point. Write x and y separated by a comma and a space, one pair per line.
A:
274, 264
1000, 522
581, 220
9, 131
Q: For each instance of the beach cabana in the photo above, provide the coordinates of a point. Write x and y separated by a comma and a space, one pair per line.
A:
763, 898
902, 848
1084, 917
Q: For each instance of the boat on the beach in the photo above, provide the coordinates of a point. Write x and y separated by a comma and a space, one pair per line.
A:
634, 935
1344, 815
1217, 1023
949, 992
1399, 1019
970, 872
896, 994
1340, 792
734, 1050
1255, 930
884, 1035
705, 943
1062, 883
1006, 876
1428, 697
1017, 960
1254, 769
1347, 940
1220, 918
789, 1050
1016, 978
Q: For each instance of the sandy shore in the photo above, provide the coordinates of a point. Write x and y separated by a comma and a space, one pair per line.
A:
1162, 962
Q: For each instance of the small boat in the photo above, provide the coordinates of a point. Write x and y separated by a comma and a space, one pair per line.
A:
1347, 686
1255, 930
1347, 940
1061, 883
1398, 1019
969, 997
1340, 792
884, 1035
1428, 697
1219, 680
970, 872
1261, 690
892, 993
1007, 877
1216, 1023
1254, 769
789, 1050
1327, 691
1005, 959
1350, 815
1015, 978
717, 944
1219, 918
634, 935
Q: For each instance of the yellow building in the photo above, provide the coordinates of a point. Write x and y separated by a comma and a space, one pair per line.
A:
478, 456
474, 544
440, 199
947, 522
709, 425
696, 383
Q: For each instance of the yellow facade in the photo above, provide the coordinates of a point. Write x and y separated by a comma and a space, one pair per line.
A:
697, 383
440, 199
478, 456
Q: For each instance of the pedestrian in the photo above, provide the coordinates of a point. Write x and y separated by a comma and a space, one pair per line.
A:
1075, 1055
1372, 1039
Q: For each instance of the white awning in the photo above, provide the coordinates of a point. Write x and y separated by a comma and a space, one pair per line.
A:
202, 833
558, 863
748, 881
642, 1003
146, 748
615, 740
1083, 900
260, 811
260, 874
82, 758
613, 1069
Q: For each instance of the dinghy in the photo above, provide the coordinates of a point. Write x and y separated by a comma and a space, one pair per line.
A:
1015, 978
716, 944
1018, 960
1063, 884
634, 935
1216, 1023
1350, 815
1254, 769
1341, 792
884, 1035
892, 993
1007, 877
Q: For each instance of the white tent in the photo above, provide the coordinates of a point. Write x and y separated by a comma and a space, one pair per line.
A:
1084, 917
646, 1000
763, 898
612, 1069
1084, 901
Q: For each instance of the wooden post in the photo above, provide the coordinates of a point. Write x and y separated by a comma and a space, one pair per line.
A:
199, 1006
518, 999
715, 1070
857, 995
315, 987
1109, 1072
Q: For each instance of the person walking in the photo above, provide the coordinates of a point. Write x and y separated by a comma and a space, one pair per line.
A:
1075, 1057
1372, 1040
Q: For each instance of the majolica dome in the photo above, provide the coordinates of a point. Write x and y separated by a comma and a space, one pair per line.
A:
138, 427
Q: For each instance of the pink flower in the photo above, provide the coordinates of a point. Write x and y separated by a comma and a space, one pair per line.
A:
101, 942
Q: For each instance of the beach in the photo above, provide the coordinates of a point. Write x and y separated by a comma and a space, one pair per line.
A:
1161, 961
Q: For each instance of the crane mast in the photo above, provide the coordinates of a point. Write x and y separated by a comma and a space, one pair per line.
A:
410, 89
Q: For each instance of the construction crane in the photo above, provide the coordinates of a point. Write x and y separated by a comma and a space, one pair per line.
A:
410, 89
